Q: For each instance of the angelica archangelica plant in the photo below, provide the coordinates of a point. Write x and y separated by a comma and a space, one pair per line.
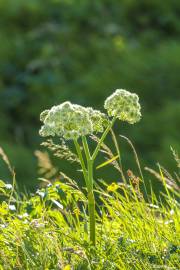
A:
124, 106
75, 122
67, 120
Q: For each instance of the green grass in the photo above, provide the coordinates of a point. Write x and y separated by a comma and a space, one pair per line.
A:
48, 230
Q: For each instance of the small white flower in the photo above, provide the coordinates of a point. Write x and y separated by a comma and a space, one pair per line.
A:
8, 186
43, 115
12, 207
47, 130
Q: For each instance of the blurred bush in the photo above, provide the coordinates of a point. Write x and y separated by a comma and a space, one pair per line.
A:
55, 50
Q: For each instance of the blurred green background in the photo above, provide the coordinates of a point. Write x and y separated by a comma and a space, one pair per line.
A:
57, 50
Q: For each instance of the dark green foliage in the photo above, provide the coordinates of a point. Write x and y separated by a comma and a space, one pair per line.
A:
55, 50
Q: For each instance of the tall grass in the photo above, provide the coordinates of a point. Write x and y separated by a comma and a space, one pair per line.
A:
48, 229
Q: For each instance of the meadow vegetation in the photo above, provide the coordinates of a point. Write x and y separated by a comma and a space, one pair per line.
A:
86, 200
49, 229
57, 50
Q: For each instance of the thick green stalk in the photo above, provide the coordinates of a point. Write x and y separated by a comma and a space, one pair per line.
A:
86, 148
91, 199
78, 150
88, 176
91, 203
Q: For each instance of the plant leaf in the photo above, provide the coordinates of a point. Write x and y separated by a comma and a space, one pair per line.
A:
107, 162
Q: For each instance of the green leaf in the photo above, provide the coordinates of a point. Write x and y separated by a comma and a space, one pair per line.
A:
2, 184
107, 162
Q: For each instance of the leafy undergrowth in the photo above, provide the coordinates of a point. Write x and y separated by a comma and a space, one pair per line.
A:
48, 230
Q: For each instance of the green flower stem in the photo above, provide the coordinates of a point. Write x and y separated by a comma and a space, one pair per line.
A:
86, 148
91, 199
91, 203
78, 150
103, 138
88, 176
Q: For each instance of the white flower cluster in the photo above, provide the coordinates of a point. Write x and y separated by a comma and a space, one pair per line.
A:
70, 121
99, 120
124, 106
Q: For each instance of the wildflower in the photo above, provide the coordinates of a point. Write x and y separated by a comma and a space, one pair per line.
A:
76, 211
169, 222
67, 120
124, 106
8, 186
47, 130
113, 187
99, 120
12, 207
36, 223
154, 206
43, 115
71, 121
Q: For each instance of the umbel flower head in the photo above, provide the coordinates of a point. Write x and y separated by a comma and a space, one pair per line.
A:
70, 121
99, 120
124, 106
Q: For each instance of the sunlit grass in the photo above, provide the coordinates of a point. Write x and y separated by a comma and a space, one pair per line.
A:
48, 230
